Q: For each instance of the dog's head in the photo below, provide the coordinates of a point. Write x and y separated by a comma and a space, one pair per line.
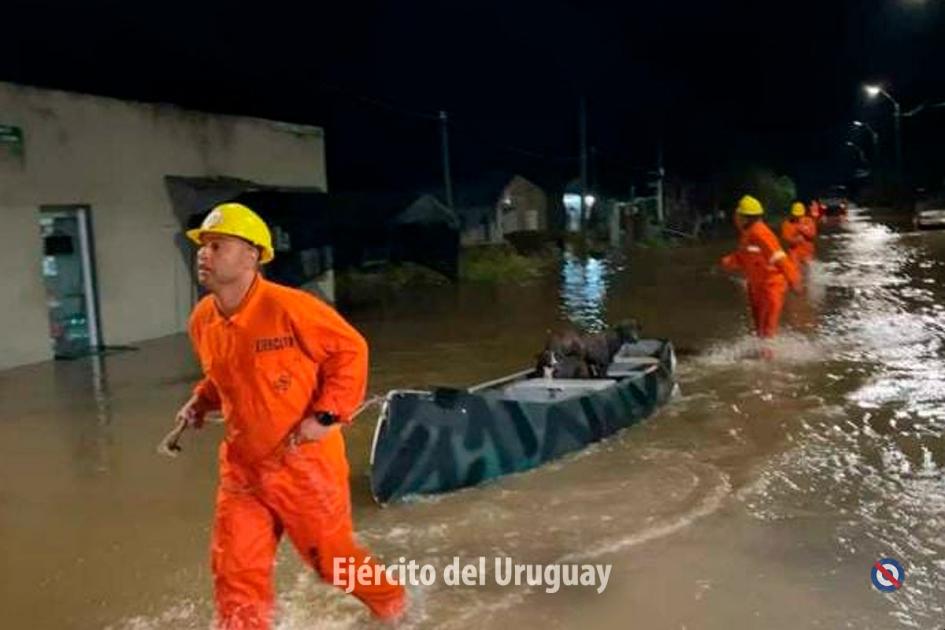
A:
628, 331
552, 365
566, 342
546, 363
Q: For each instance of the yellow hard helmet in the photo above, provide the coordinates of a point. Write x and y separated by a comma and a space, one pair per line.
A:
235, 219
797, 209
750, 207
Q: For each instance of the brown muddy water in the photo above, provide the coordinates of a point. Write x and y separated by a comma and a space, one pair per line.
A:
758, 498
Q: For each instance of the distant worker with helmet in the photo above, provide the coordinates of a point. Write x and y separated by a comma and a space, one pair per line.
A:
798, 231
812, 222
766, 267
816, 211
287, 372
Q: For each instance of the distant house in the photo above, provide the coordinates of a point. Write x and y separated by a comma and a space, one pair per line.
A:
427, 233
479, 225
525, 206
427, 210
361, 223
496, 206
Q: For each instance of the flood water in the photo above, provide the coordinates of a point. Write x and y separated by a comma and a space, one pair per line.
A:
758, 498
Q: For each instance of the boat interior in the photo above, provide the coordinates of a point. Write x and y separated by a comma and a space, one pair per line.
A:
631, 360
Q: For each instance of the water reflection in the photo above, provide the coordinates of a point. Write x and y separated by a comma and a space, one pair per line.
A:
894, 321
836, 451
93, 436
101, 393
584, 284
879, 462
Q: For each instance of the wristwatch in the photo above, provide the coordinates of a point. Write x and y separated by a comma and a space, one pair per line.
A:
325, 418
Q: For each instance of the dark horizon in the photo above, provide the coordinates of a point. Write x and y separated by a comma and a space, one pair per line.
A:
774, 86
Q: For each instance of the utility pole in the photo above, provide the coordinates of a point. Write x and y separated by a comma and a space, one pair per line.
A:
447, 181
583, 131
897, 114
659, 184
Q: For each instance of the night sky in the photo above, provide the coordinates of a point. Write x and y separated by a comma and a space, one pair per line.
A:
716, 83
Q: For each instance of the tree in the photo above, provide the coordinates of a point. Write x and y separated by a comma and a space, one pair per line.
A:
775, 192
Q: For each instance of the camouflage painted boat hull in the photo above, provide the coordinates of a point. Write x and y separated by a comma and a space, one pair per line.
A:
441, 440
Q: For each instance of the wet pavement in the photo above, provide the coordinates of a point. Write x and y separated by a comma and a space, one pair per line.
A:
759, 498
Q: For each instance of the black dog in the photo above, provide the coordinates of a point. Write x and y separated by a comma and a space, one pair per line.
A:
600, 348
568, 354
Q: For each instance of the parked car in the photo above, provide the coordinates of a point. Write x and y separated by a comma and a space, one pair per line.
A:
834, 206
929, 213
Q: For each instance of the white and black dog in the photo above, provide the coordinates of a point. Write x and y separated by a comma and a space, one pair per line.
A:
563, 356
569, 354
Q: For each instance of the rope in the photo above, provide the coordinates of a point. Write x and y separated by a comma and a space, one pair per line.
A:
373, 400
169, 446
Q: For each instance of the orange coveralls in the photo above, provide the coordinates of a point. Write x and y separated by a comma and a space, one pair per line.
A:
816, 211
799, 235
768, 270
811, 224
283, 355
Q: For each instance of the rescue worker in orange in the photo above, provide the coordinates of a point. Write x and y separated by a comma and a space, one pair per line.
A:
767, 268
812, 219
812, 225
799, 234
287, 373
816, 210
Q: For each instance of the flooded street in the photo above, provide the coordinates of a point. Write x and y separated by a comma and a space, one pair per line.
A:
759, 498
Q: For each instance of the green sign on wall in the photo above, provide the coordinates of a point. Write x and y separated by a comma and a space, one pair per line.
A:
11, 140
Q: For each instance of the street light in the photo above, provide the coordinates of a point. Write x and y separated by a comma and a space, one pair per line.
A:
859, 151
859, 124
875, 90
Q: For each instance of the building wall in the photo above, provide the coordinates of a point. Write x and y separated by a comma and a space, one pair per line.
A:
529, 204
112, 156
476, 235
483, 231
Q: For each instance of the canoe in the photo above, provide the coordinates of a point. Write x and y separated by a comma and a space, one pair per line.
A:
428, 442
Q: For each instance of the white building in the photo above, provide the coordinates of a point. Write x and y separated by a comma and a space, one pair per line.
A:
88, 247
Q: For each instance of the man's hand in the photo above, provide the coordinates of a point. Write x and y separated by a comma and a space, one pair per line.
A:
311, 430
193, 413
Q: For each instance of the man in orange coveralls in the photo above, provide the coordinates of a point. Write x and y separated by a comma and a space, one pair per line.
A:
812, 220
287, 372
812, 225
798, 232
765, 265
816, 210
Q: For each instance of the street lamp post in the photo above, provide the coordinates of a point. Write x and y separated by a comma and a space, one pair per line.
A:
875, 90
858, 124
859, 151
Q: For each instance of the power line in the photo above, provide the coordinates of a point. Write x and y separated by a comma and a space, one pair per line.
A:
378, 103
462, 121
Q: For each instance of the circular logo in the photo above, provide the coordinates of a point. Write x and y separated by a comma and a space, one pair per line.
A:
887, 575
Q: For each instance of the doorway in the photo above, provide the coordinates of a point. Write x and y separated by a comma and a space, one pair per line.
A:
69, 279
